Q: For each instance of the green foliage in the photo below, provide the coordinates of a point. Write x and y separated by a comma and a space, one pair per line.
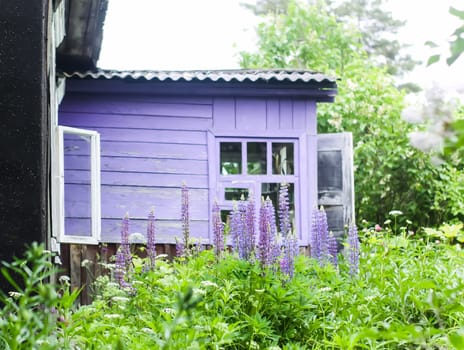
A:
378, 28
374, 23
389, 173
407, 295
35, 313
456, 43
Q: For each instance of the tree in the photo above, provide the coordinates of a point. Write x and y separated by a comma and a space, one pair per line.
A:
376, 25
378, 28
389, 174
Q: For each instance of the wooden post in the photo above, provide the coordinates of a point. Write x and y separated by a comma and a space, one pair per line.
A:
24, 131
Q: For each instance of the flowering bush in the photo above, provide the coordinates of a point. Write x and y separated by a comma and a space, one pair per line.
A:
406, 294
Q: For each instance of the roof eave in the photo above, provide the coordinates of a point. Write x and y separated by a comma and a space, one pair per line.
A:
321, 92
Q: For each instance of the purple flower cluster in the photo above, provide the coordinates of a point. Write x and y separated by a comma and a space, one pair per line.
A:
323, 244
332, 249
284, 211
290, 242
185, 217
123, 256
218, 231
151, 246
180, 248
290, 251
242, 227
353, 249
268, 248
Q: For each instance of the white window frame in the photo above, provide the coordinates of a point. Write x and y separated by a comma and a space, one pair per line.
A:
59, 196
254, 182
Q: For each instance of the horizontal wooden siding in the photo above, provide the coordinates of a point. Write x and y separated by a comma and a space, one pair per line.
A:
149, 146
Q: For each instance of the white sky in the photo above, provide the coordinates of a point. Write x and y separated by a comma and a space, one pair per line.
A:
207, 34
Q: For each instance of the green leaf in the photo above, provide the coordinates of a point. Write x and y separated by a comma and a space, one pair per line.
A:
457, 48
433, 59
456, 12
430, 44
457, 340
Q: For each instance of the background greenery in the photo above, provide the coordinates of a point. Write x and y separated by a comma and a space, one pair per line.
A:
389, 173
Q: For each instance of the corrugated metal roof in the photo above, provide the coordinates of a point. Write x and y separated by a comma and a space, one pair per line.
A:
241, 75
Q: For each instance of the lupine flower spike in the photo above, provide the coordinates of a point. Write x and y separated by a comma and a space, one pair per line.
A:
125, 246
353, 249
235, 227
151, 243
333, 249
265, 235
241, 232
180, 248
319, 238
123, 256
185, 217
218, 231
289, 238
250, 230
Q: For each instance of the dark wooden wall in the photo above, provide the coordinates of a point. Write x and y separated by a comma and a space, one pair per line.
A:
24, 129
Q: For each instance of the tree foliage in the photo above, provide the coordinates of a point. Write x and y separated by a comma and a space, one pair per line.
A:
389, 173
375, 24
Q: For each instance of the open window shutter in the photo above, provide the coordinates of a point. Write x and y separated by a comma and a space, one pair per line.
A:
77, 195
335, 179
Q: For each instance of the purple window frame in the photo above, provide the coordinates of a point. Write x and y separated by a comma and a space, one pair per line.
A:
218, 182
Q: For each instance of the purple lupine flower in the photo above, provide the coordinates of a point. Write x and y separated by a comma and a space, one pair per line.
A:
284, 213
290, 242
235, 227
319, 239
185, 216
290, 251
276, 249
314, 239
250, 228
151, 245
333, 249
265, 236
353, 249
125, 246
323, 229
241, 232
120, 269
218, 231
180, 248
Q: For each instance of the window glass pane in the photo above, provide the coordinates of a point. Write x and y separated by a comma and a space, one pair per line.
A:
282, 159
271, 190
231, 158
77, 191
235, 194
256, 154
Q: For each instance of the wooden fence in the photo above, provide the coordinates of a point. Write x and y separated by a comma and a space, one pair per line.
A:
84, 263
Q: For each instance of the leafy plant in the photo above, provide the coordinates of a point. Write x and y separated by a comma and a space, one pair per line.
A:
36, 312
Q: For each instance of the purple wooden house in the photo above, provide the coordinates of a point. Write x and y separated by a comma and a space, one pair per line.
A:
126, 141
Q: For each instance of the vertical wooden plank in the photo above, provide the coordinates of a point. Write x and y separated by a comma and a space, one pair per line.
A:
311, 159
224, 113
213, 163
311, 116
299, 114
272, 114
85, 280
286, 114
251, 114
75, 265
